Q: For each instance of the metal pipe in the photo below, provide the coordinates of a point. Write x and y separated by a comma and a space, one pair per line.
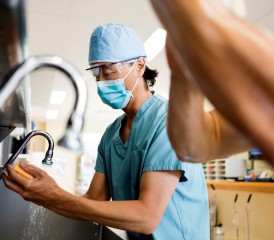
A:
235, 220
49, 154
247, 217
71, 138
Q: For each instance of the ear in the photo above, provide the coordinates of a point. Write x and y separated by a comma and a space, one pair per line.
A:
141, 66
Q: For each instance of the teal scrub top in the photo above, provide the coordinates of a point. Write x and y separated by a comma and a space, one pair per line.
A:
148, 149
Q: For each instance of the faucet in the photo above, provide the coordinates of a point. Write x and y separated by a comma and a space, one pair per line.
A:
71, 138
49, 154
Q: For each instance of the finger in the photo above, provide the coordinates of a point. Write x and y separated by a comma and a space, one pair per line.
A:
17, 178
11, 185
4, 174
32, 170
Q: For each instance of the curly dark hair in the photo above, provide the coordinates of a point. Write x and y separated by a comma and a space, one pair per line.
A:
149, 76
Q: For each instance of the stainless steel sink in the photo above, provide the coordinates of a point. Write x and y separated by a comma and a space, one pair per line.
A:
15, 112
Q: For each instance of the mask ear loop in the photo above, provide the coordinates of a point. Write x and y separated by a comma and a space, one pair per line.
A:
119, 67
131, 92
134, 87
129, 71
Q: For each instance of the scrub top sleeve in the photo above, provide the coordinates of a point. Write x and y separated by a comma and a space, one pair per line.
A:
161, 156
100, 165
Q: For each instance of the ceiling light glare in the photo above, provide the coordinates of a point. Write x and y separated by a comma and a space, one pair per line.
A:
51, 114
57, 97
155, 43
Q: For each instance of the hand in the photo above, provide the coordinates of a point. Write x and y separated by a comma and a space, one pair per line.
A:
42, 189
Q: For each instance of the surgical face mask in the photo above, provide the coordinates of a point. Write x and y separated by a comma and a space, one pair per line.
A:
114, 92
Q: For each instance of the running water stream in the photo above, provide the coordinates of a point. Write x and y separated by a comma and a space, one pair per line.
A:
36, 227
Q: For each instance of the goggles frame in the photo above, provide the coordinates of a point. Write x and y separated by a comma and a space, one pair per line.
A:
96, 69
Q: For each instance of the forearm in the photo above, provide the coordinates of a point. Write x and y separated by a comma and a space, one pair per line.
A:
127, 215
220, 50
231, 61
142, 215
187, 122
196, 135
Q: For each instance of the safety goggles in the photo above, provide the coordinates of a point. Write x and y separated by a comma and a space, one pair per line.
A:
109, 67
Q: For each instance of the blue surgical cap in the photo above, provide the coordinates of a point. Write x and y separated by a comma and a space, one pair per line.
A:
115, 43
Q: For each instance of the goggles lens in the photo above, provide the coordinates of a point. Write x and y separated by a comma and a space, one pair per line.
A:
108, 68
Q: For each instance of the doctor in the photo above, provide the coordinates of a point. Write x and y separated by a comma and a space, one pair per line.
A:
154, 195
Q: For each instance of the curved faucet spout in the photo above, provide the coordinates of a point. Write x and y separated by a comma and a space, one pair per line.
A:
49, 154
75, 123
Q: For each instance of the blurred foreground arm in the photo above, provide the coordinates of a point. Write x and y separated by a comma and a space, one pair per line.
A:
230, 59
196, 135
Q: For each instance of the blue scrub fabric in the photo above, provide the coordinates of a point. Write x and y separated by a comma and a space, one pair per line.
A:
148, 149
